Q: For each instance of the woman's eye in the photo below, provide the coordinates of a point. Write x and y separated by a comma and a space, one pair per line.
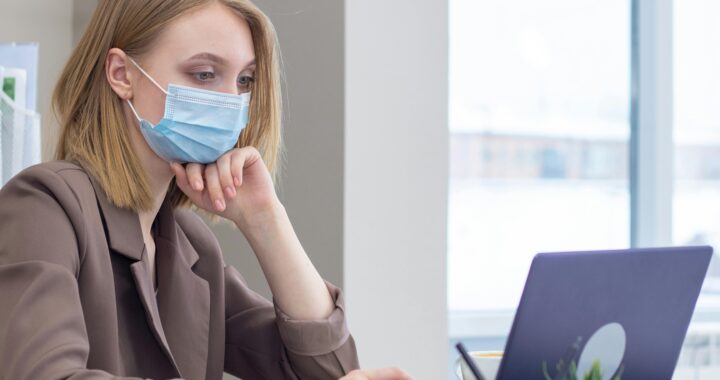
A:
204, 76
245, 81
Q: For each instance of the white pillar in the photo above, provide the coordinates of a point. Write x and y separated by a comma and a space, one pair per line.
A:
396, 180
652, 123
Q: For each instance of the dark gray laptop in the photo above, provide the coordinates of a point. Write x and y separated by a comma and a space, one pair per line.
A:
622, 313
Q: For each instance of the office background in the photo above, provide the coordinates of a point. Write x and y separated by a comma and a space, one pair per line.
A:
433, 146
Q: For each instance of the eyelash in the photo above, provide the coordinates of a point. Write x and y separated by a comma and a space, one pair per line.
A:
205, 76
198, 75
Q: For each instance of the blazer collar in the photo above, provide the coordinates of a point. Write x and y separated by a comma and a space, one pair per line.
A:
123, 226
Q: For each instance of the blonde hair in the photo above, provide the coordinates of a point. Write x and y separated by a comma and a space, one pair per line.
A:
93, 127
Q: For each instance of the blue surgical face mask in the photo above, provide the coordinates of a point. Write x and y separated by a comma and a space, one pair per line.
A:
198, 125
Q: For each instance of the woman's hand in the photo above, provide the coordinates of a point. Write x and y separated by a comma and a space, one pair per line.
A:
378, 374
238, 186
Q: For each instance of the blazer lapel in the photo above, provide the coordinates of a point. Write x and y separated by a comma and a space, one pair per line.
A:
125, 237
141, 276
183, 297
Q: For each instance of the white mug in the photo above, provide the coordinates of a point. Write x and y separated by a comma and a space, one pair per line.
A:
488, 362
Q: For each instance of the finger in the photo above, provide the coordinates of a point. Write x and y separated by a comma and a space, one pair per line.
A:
194, 174
356, 375
212, 181
226, 180
392, 373
181, 178
236, 167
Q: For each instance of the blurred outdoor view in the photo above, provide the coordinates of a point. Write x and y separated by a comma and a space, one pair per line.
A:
539, 125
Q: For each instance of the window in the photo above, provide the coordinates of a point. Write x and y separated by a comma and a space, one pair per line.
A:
539, 119
540, 149
696, 205
696, 196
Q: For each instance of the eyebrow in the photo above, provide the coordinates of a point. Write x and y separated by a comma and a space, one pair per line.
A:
215, 58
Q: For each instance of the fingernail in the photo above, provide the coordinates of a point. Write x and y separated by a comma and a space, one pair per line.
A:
237, 181
219, 205
197, 185
229, 191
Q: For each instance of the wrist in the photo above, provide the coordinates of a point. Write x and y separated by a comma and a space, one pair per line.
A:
261, 218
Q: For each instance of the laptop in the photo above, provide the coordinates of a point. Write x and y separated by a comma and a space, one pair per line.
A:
620, 314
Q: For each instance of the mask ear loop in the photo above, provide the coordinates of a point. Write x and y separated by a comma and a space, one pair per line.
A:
133, 110
151, 80
148, 76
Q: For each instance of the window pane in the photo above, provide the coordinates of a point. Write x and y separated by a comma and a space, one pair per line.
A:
697, 129
696, 206
539, 118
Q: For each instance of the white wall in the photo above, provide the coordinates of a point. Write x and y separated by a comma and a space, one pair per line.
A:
396, 176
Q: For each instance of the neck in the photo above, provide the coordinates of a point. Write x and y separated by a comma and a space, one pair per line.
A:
156, 170
160, 176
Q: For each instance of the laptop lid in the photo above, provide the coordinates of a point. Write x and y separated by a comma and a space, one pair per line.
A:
626, 312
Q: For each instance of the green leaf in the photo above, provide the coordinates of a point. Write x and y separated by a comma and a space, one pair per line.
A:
8, 87
573, 370
595, 371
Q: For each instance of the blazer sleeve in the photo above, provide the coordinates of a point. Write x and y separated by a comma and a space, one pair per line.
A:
42, 329
262, 342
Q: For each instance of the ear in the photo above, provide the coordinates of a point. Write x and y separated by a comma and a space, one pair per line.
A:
117, 73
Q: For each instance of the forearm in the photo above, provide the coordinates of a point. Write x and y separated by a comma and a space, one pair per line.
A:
296, 285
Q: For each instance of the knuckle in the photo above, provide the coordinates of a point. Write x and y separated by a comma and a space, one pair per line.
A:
224, 159
211, 169
250, 149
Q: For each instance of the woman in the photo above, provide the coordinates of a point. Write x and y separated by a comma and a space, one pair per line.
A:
105, 271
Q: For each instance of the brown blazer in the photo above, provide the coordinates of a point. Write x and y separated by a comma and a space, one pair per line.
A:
77, 300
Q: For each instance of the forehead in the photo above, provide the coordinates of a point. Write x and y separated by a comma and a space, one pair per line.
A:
215, 29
